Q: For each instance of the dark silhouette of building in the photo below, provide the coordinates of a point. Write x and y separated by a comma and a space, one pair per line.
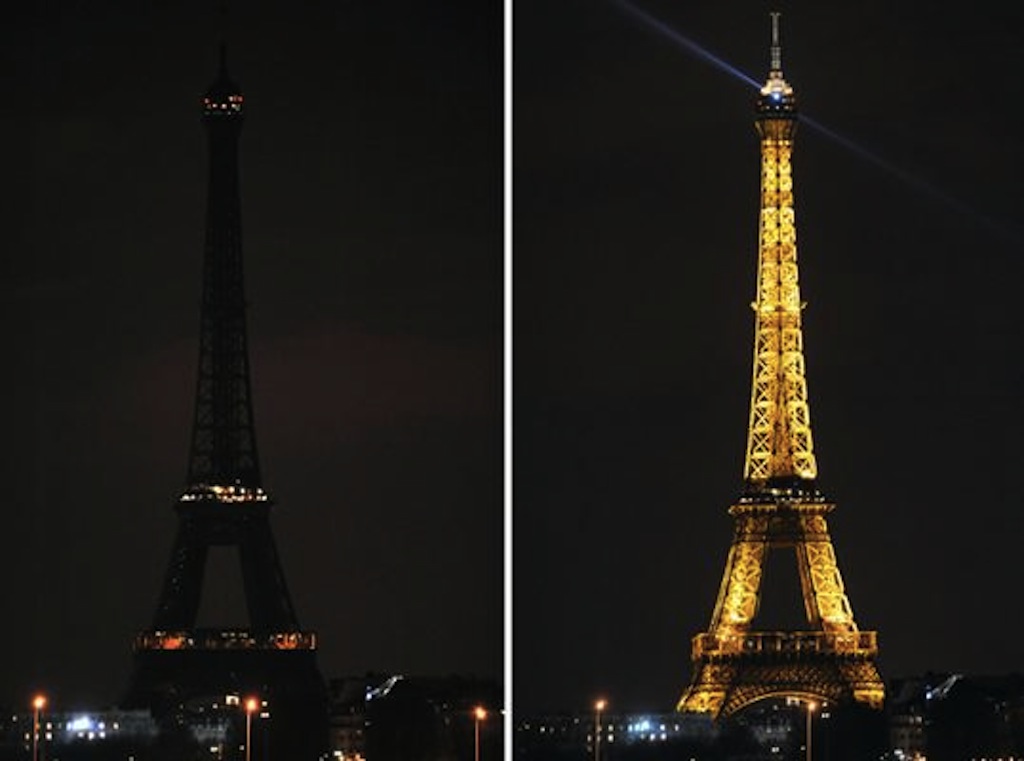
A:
943, 717
396, 718
178, 667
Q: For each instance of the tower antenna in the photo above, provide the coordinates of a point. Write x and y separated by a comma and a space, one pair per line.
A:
776, 45
223, 49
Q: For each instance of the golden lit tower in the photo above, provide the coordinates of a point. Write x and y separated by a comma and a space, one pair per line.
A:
733, 663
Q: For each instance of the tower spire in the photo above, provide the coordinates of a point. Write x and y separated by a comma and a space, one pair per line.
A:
780, 450
223, 46
223, 453
222, 57
776, 63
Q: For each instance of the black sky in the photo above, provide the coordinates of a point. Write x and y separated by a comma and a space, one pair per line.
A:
372, 214
636, 176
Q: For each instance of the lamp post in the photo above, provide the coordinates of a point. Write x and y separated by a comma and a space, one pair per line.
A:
479, 714
599, 706
811, 708
38, 703
251, 706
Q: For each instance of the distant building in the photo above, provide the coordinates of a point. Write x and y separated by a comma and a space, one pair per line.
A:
75, 734
376, 717
934, 717
774, 729
208, 729
907, 708
957, 717
347, 717
568, 735
380, 717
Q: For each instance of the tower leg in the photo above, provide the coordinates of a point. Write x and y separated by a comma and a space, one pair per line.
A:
183, 585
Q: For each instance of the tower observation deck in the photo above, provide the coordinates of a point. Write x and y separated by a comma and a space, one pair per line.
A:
832, 660
224, 504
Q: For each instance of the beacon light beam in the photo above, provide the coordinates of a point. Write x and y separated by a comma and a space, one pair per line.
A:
995, 226
1001, 229
686, 43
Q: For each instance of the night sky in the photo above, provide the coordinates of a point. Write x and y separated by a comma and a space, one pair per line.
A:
636, 172
373, 232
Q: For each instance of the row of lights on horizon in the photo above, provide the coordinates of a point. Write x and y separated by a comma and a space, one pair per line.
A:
602, 704
251, 705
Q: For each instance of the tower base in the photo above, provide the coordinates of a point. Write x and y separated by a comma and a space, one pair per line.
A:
180, 686
730, 673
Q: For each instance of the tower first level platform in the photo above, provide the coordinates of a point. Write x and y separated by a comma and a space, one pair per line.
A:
735, 665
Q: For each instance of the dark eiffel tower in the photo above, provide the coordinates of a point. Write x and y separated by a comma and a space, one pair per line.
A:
177, 666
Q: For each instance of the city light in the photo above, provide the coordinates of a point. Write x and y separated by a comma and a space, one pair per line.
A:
811, 708
479, 714
252, 705
38, 704
599, 706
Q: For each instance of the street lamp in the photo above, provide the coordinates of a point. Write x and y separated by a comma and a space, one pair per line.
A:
479, 714
252, 705
599, 706
38, 703
811, 708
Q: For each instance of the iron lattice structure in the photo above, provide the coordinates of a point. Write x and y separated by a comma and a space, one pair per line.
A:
224, 504
733, 664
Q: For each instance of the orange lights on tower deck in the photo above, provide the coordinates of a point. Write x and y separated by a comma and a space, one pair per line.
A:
235, 493
213, 105
212, 639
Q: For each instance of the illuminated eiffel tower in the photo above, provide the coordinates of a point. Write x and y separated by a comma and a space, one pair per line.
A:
179, 667
733, 664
